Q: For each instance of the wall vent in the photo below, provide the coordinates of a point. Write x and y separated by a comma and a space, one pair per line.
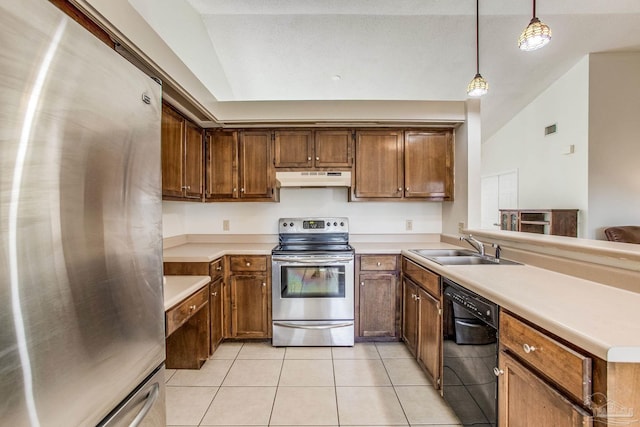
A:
551, 129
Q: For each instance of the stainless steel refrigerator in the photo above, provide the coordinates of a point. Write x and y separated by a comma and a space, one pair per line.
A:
81, 303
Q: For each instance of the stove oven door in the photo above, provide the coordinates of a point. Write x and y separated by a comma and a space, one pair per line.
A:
313, 287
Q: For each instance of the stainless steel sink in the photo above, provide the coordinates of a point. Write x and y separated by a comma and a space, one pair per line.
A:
470, 260
428, 253
459, 257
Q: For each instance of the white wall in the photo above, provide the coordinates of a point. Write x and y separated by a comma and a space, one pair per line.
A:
614, 141
547, 177
262, 218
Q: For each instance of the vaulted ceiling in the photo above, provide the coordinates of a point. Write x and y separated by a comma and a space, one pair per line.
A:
385, 50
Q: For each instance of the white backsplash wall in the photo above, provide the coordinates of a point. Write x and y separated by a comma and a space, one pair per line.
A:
262, 218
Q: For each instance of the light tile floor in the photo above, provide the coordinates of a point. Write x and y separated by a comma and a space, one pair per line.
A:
255, 384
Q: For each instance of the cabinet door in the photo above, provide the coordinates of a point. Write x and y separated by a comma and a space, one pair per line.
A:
257, 174
428, 165
333, 149
526, 400
250, 308
410, 315
377, 305
221, 165
430, 336
215, 305
172, 138
193, 152
293, 149
379, 171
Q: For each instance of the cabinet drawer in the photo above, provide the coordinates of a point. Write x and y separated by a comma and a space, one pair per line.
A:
423, 277
248, 263
178, 315
216, 269
378, 263
567, 368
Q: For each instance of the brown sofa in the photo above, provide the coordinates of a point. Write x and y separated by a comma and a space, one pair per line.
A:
624, 234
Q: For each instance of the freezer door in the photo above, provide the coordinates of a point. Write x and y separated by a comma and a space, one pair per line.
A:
81, 304
145, 408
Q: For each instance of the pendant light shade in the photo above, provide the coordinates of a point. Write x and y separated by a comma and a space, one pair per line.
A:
536, 35
478, 85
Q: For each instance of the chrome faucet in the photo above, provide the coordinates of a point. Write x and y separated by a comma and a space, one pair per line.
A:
477, 244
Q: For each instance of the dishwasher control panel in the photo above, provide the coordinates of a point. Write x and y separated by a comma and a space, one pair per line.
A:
480, 307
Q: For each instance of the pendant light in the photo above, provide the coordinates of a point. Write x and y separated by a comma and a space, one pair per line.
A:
478, 86
536, 35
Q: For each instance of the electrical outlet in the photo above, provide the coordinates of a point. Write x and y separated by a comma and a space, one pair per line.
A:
225, 225
460, 227
409, 225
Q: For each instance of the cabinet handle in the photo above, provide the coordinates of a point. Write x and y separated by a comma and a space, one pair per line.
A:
528, 348
378, 264
413, 296
235, 189
242, 190
192, 307
361, 283
264, 284
406, 189
186, 187
417, 298
399, 188
215, 294
497, 371
218, 268
317, 158
248, 264
309, 158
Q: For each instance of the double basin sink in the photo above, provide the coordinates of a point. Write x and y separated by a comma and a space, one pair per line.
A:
459, 257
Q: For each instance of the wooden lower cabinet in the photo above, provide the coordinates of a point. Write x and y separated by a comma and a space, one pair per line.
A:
250, 306
187, 330
377, 298
215, 307
527, 400
410, 315
430, 335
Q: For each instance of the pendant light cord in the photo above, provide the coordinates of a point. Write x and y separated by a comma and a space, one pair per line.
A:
478, 36
534, 8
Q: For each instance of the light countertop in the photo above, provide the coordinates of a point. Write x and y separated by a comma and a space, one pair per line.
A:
177, 288
593, 316
596, 317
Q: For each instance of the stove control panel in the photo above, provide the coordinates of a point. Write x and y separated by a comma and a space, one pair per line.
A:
313, 225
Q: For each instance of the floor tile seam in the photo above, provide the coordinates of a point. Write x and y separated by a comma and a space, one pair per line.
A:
335, 386
220, 386
275, 395
404, 412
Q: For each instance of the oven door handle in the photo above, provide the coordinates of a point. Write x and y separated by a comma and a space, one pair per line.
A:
313, 260
328, 326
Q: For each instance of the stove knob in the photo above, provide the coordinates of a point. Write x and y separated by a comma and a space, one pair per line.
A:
284, 225
342, 224
335, 224
328, 224
290, 224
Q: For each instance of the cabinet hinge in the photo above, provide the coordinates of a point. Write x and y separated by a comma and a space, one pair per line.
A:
439, 312
438, 381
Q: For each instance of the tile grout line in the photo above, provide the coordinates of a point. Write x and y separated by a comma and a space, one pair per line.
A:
335, 386
395, 392
275, 395
221, 382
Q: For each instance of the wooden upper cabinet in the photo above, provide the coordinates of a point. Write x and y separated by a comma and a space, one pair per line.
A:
172, 136
306, 149
257, 174
182, 151
333, 149
379, 169
428, 165
294, 149
221, 165
193, 169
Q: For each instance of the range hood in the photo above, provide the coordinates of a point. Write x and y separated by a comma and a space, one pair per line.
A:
314, 179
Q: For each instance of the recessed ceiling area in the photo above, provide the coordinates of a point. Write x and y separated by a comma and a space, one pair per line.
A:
385, 50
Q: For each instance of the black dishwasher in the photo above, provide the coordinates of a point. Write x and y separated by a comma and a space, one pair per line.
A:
470, 355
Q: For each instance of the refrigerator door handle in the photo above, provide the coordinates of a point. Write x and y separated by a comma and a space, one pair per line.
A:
151, 399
